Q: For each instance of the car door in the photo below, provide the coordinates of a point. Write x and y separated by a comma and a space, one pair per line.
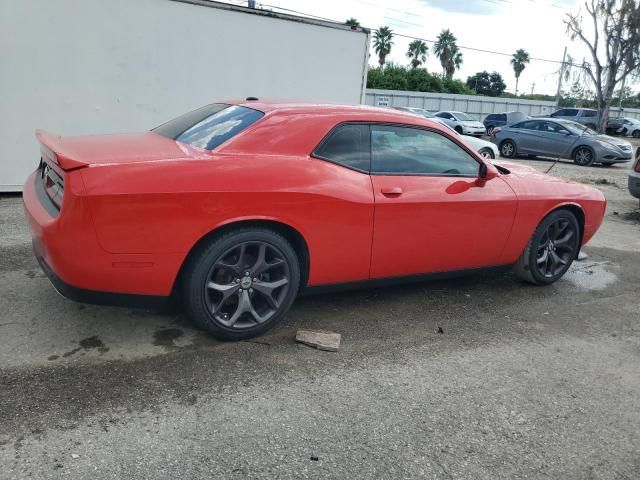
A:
447, 118
527, 137
554, 139
432, 214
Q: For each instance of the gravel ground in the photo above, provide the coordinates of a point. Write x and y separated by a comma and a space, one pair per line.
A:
522, 382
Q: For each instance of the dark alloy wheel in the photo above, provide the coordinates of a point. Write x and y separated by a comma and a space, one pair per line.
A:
240, 285
583, 156
490, 130
508, 149
551, 250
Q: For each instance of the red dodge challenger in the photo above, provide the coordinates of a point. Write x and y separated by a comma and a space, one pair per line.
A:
240, 206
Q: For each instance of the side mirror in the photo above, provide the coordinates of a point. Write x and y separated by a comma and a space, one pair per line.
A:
482, 173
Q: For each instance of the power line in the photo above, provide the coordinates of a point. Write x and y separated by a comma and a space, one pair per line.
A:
411, 37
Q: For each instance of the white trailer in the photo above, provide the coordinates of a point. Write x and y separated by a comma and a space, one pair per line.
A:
100, 66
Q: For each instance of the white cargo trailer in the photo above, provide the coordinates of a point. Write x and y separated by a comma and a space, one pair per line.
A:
100, 66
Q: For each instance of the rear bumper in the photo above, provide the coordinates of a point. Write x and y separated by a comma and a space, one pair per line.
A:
69, 252
97, 297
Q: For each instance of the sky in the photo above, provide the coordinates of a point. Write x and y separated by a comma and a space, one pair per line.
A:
497, 25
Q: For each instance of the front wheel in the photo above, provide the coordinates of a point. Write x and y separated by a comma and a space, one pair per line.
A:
508, 149
551, 250
458, 129
241, 284
487, 153
583, 156
636, 134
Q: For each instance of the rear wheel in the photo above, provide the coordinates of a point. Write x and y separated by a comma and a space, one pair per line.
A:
487, 153
508, 149
636, 134
583, 156
241, 284
489, 130
551, 250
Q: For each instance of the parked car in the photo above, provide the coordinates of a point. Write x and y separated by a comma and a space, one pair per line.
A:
483, 147
588, 117
494, 120
560, 138
630, 126
421, 112
462, 123
238, 207
634, 177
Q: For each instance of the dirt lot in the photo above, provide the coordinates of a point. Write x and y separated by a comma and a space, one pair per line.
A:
483, 377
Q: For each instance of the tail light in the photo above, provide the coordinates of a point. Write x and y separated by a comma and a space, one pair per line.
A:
637, 167
495, 130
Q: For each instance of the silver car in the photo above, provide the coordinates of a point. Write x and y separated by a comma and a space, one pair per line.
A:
462, 123
549, 137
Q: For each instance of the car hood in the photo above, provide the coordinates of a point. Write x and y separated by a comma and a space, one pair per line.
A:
94, 150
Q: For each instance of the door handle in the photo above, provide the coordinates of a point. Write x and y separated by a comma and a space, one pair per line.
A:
391, 191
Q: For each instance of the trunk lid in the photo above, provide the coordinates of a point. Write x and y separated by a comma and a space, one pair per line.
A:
70, 153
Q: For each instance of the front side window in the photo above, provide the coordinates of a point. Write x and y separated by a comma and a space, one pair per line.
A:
209, 126
462, 116
443, 115
411, 151
527, 125
551, 127
347, 145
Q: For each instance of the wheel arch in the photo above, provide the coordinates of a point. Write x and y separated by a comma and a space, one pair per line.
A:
292, 234
574, 208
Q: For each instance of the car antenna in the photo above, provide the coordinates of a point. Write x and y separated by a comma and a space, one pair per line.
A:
584, 129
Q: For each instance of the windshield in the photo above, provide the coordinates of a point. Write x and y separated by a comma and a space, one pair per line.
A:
461, 116
577, 128
209, 126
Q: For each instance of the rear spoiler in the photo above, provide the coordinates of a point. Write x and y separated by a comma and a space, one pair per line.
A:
52, 147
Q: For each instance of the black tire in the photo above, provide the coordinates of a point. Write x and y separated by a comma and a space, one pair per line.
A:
636, 134
487, 153
592, 126
583, 156
222, 299
551, 249
489, 130
458, 129
508, 149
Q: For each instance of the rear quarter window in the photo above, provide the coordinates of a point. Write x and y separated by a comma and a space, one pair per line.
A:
209, 126
348, 145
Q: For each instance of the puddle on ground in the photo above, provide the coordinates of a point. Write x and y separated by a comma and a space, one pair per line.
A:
88, 343
165, 337
590, 275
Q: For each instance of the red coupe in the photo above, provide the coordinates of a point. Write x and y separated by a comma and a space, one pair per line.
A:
240, 206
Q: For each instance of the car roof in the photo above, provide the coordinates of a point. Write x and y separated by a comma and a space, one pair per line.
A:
361, 112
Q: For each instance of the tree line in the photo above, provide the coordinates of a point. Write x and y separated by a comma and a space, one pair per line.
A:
611, 37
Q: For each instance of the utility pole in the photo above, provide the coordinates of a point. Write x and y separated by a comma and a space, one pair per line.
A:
564, 58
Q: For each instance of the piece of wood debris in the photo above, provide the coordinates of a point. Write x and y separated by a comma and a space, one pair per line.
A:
320, 339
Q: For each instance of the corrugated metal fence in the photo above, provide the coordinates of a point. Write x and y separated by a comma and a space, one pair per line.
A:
475, 105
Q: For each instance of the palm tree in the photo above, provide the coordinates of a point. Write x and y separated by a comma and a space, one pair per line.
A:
352, 22
382, 43
519, 60
417, 53
448, 52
